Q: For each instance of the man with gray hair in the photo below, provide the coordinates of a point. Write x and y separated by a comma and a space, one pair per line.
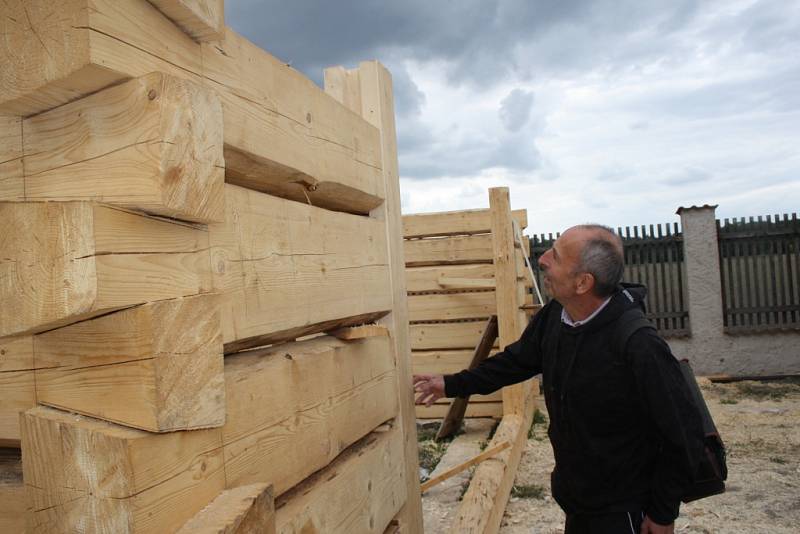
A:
626, 435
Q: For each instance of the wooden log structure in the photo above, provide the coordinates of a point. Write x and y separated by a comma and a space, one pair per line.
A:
204, 282
464, 267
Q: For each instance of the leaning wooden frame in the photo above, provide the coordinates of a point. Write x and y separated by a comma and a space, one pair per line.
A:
194, 235
462, 267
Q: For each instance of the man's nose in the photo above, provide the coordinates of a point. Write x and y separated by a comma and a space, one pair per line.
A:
544, 259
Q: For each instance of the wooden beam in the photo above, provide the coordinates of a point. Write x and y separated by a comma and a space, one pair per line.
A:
443, 336
449, 277
474, 409
345, 86
458, 406
361, 491
12, 186
359, 332
203, 20
17, 386
68, 261
449, 306
12, 492
449, 250
445, 223
285, 137
157, 367
483, 505
509, 299
288, 269
244, 510
464, 466
377, 102
80, 470
153, 144
282, 134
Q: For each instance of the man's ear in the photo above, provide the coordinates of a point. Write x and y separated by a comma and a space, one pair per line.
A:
585, 283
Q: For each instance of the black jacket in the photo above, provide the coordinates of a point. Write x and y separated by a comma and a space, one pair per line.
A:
625, 432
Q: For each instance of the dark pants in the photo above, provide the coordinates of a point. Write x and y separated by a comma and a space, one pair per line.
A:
615, 523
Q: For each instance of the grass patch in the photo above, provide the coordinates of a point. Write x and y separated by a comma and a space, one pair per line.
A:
775, 390
539, 420
528, 491
728, 401
431, 451
777, 460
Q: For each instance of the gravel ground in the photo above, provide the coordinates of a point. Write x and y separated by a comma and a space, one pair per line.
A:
760, 424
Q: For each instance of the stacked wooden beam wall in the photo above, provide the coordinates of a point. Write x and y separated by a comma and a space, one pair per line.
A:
192, 234
452, 281
463, 267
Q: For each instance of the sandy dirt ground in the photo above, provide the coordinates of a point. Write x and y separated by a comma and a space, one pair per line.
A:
760, 424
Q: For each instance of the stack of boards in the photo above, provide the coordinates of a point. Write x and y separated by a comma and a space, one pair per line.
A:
193, 234
451, 283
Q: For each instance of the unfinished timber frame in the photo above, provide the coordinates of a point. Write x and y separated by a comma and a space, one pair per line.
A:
205, 323
462, 268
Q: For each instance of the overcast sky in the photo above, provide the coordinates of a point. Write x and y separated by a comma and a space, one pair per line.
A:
615, 112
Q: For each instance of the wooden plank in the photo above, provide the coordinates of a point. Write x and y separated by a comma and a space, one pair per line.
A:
17, 387
378, 108
153, 144
433, 336
462, 222
361, 491
446, 277
12, 492
157, 367
458, 406
89, 259
288, 269
359, 332
474, 409
345, 86
284, 136
106, 477
244, 510
448, 250
282, 133
464, 465
509, 321
483, 505
449, 306
313, 389
12, 185
58, 52
203, 20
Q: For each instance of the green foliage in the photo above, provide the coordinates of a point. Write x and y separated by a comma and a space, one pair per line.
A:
539, 420
528, 491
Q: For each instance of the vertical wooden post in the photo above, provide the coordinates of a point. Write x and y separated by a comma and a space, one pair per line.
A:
510, 318
377, 107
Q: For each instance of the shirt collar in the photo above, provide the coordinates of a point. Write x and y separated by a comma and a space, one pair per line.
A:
567, 320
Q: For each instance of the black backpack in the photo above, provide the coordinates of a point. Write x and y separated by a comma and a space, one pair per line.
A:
713, 469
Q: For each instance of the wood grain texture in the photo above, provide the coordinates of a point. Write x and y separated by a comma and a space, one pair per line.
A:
17, 389
12, 492
474, 409
282, 133
81, 470
62, 262
450, 306
377, 107
444, 223
448, 250
152, 144
361, 491
12, 184
288, 269
449, 277
203, 20
243, 510
156, 367
432, 336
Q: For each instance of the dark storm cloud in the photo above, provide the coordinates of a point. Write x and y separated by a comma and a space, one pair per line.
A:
515, 109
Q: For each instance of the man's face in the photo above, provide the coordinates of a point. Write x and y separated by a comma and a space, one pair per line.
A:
559, 265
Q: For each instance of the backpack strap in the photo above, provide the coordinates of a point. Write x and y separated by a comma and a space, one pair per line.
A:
631, 321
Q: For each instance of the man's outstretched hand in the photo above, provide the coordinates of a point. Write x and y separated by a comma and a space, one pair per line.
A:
429, 387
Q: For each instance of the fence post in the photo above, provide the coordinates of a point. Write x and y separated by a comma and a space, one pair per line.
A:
703, 282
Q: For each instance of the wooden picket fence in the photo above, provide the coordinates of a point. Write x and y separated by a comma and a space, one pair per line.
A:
760, 273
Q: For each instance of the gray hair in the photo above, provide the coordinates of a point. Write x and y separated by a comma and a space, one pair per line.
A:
602, 257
